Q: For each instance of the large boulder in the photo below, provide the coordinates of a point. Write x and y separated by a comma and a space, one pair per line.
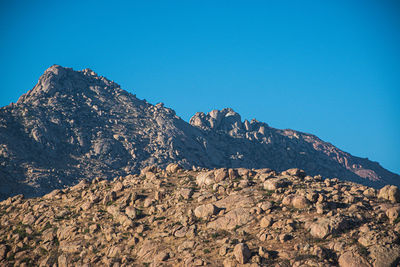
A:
352, 259
173, 168
242, 253
220, 174
147, 251
298, 202
393, 213
385, 256
266, 221
205, 211
232, 219
321, 229
131, 212
3, 251
275, 183
66, 232
186, 193
151, 168
326, 226
205, 178
295, 172
233, 174
390, 192
70, 246
234, 201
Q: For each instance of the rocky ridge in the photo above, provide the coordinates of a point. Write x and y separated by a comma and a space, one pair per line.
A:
202, 217
76, 125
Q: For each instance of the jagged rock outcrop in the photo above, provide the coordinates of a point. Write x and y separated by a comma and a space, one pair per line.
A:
255, 145
75, 124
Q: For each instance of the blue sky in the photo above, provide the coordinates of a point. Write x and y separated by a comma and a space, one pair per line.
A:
330, 68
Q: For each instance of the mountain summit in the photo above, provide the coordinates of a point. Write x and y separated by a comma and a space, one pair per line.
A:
76, 125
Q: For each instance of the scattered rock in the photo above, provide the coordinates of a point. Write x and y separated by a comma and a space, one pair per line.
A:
233, 174
169, 220
284, 237
118, 187
223, 250
3, 251
232, 219
295, 172
173, 168
300, 202
205, 211
266, 222
52, 194
70, 246
62, 261
205, 178
151, 168
220, 174
131, 212
352, 259
80, 186
147, 251
186, 193
384, 256
114, 252
370, 192
163, 255
393, 214
242, 253
326, 226
275, 183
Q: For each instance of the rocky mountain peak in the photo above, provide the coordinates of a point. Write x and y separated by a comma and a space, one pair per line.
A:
61, 82
76, 125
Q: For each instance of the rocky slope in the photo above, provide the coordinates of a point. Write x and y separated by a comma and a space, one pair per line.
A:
222, 217
76, 124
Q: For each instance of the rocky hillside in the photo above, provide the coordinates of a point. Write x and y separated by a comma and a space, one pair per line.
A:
222, 217
75, 124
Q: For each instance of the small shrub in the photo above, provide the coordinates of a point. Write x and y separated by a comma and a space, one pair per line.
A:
139, 212
268, 193
47, 226
221, 233
43, 251
362, 250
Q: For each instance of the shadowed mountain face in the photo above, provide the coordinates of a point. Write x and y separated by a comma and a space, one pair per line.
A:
75, 124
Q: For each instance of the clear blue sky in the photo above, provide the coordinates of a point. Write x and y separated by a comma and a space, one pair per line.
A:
331, 68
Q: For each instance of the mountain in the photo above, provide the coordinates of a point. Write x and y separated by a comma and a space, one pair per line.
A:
76, 125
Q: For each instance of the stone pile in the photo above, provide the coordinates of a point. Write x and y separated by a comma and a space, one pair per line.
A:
202, 217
